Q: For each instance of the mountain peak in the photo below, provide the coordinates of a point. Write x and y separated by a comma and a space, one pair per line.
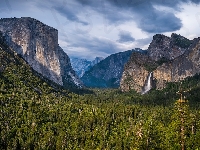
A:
158, 37
175, 36
167, 47
97, 60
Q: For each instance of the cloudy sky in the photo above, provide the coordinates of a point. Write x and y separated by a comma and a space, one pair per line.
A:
90, 28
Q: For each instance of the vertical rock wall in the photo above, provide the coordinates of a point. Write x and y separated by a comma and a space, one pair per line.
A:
37, 43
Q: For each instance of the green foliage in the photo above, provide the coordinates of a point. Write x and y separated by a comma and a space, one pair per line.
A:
162, 60
150, 66
34, 115
181, 42
154, 64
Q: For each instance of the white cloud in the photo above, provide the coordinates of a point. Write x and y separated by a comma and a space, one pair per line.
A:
190, 16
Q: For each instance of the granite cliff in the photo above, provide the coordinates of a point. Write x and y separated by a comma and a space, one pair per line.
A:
37, 43
170, 59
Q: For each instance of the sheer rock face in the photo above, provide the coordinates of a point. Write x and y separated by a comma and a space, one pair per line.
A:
37, 43
175, 66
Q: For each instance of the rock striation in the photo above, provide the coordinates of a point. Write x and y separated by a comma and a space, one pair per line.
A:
170, 59
37, 43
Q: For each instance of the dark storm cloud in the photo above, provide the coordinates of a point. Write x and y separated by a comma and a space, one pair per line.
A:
130, 4
149, 19
5, 6
69, 13
114, 16
88, 2
156, 23
116, 12
111, 14
125, 36
134, 3
195, 1
84, 31
143, 12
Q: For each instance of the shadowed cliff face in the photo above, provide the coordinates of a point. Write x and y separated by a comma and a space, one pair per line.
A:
37, 43
170, 60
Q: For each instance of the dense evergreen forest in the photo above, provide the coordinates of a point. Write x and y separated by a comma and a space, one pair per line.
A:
35, 115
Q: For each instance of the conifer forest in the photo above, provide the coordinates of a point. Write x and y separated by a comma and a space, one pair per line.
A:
37, 114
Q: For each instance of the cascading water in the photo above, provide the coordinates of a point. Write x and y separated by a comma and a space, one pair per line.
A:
147, 85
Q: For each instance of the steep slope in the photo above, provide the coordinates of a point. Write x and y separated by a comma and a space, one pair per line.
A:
17, 77
37, 43
178, 61
80, 66
108, 72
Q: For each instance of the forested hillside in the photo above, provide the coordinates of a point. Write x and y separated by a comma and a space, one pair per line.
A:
35, 115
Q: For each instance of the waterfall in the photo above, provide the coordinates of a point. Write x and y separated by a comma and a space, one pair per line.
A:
147, 85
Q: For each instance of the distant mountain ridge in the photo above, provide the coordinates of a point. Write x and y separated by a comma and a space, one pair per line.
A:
108, 72
37, 43
80, 66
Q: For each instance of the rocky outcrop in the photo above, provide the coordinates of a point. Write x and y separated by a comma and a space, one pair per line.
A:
167, 47
80, 66
37, 43
108, 72
169, 59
